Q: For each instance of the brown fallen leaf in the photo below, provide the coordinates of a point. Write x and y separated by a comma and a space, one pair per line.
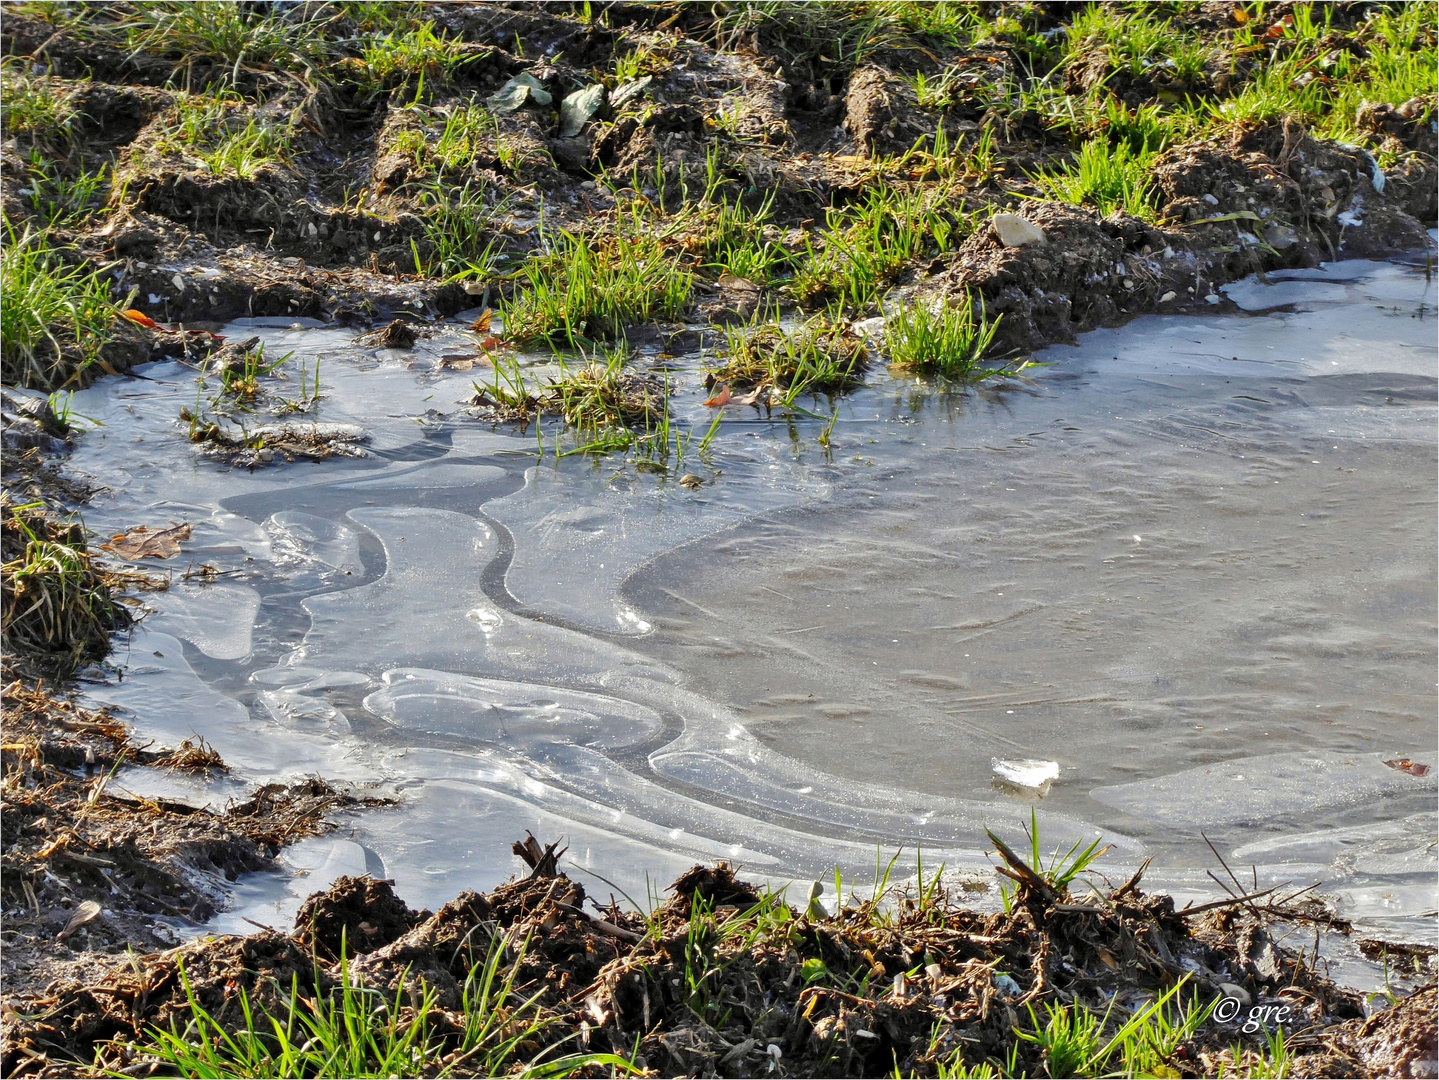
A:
750, 398
139, 317
1413, 768
722, 396
491, 342
87, 911
142, 542
482, 324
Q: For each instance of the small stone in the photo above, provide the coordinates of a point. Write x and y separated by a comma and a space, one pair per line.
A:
1212, 298
1170, 295
1235, 991
1211, 200
870, 329
1015, 231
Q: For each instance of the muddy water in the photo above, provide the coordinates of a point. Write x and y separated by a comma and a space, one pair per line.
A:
1191, 560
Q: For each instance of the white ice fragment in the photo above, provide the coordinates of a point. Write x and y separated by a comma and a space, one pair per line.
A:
1025, 772
157, 299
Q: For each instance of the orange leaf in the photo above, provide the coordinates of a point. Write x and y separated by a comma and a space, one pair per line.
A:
1241, 16
1275, 31
482, 324
139, 317
491, 342
720, 398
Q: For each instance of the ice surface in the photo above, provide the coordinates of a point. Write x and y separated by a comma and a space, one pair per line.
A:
1183, 543
1259, 789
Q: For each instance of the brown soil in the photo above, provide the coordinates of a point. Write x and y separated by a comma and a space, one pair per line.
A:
72, 833
857, 994
765, 101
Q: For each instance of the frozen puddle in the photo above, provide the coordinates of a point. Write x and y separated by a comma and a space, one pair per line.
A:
1191, 561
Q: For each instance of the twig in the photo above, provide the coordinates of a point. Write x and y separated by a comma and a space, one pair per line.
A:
1226, 903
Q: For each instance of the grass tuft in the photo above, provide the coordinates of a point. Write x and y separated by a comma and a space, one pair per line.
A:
947, 339
821, 355
585, 289
1108, 178
55, 315
350, 1030
57, 606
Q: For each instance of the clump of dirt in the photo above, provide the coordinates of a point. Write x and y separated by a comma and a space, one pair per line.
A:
723, 980
354, 916
395, 334
74, 834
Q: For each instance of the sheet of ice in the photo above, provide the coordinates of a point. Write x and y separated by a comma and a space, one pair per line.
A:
299, 539
516, 715
1252, 294
166, 701
217, 618
1184, 539
1260, 789
578, 534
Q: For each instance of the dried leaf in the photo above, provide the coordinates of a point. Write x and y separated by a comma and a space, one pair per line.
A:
1413, 768
142, 542
1240, 16
721, 397
88, 911
490, 343
750, 398
482, 324
630, 90
139, 317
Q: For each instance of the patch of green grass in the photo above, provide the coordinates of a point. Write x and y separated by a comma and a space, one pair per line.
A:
224, 135
1135, 41
35, 108
1327, 89
350, 1030
61, 201
451, 139
233, 36
413, 53
460, 231
602, 395
821, 355
866, 245
1107, 178
637, 62
828, 34
950, 340
383, 16
1080, 1043
55, 315
591, 288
